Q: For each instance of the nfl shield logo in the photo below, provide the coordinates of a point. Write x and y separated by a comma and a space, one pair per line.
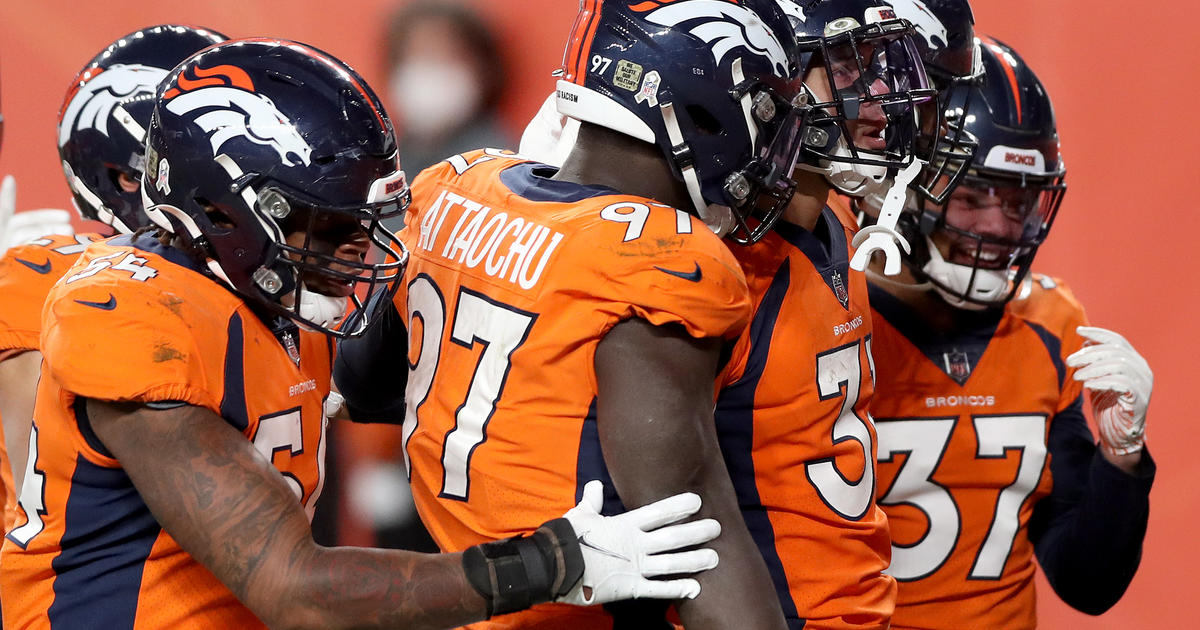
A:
289, 344
839, 289
958, 366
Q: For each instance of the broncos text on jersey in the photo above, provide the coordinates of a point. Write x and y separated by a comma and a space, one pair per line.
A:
794, 429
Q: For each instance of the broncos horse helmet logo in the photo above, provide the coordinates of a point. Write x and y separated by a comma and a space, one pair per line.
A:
924, 21
725, 27
97, 95
229, 108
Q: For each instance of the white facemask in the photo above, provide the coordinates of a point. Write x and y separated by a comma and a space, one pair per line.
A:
434, 97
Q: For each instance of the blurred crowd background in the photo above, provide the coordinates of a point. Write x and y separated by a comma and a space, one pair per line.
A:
459, 75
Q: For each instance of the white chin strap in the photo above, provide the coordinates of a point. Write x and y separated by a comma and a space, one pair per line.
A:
950, 279
322, 310
718, 218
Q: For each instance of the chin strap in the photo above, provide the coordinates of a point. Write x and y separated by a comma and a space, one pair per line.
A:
883, 235
877, 278
719, 219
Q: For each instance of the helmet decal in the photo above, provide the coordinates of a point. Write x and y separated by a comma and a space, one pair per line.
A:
92, 104
229, 108
204, 77
924, 21
724, 26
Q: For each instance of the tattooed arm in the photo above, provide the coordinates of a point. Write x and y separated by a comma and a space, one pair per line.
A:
233, 512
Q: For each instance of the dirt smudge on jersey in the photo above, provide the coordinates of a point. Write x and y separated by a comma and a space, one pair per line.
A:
172, 303
164, 352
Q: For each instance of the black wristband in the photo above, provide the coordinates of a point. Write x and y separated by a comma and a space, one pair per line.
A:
516, 573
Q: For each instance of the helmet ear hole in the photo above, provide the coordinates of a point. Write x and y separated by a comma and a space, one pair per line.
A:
704, 121
215, 215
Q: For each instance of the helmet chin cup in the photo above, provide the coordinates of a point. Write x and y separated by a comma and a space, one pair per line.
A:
848, 177
322, 310
858, 180
985, 287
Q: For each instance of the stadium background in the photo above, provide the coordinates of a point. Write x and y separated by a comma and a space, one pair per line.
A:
1126, 94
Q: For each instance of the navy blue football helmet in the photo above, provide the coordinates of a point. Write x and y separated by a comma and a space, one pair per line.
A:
711, 82
103, 118
278, 162
947, 43
867, 91
991, 226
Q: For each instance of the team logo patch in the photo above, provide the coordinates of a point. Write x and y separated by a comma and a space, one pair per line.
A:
723, 25
224, 104
98, 94
924, 21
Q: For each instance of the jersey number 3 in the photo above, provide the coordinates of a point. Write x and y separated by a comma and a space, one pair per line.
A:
839, 374
500, 329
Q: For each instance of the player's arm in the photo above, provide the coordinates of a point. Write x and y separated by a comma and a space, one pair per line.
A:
1088, 532
19, 375
655, 421
231, 510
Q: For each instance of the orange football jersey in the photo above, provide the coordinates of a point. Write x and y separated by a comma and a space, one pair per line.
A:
132, 321
794, 429
26, 274
963, 423
512, 281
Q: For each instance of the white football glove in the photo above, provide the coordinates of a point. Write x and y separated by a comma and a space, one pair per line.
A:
333, 404
18, 228
1120, 382
621, 552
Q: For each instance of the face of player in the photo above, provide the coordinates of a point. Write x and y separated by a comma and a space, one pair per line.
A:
336, 235
988, 221
867, 129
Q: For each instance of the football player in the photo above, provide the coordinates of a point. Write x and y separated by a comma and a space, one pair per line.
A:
564, 324
806, 486
101, 131
180, 434
792, 415
985, 457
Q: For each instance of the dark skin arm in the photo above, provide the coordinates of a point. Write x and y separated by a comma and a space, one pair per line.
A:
655, 419
232, 511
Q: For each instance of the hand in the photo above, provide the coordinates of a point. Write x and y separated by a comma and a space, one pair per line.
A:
334, 403
1120, 382
621, 552
20, 228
